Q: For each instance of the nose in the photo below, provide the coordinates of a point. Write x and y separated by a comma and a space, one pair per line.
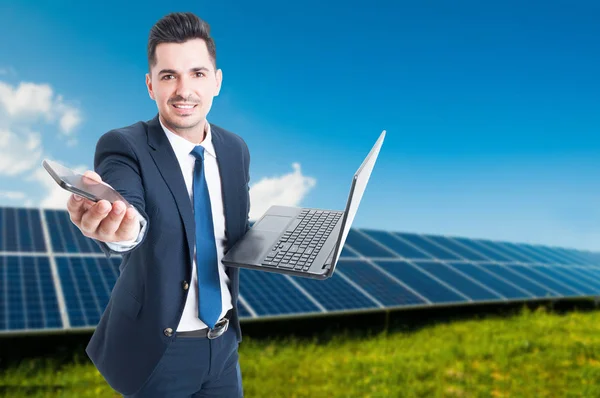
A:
184, 87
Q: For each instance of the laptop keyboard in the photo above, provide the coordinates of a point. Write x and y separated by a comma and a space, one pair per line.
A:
298, 247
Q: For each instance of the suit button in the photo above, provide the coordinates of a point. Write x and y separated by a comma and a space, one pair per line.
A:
186, 285
168, 332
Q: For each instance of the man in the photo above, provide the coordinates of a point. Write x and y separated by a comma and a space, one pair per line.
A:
171, 327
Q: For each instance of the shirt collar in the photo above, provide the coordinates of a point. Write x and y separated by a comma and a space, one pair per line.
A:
180, 144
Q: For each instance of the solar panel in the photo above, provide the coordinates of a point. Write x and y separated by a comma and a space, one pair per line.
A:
66, 237
398, 246
52, 277
367, 247
86, 283
533, 287
428, 246
504, 287
336, 293
268, 293
27, 295
426, 284
20, 230
385, 289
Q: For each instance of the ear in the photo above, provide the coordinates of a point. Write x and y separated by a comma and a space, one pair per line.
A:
219, 79
149, 85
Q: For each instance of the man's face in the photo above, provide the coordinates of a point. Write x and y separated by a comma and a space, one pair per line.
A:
183, 83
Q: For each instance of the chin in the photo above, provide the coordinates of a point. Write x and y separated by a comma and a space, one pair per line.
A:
184, 122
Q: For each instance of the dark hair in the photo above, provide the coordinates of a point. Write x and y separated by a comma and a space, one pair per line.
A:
179, 27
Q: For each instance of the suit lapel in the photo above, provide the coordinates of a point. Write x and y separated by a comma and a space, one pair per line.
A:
168, 166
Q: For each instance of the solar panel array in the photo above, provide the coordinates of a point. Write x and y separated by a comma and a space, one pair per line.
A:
54, 278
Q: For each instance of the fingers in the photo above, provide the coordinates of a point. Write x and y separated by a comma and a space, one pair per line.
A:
76, 206
110, 224
91, 218
93, 175
130, 226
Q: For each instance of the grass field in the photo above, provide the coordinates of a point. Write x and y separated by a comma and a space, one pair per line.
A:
532, 354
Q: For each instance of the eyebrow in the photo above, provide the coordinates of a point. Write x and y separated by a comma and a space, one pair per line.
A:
174, 72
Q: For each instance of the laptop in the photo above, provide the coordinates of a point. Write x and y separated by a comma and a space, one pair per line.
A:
303, 242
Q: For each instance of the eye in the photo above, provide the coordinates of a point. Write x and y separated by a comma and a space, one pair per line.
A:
200, 74
167, 77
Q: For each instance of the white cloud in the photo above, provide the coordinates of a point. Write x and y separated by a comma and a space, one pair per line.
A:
21, 106
69, 120
55, 197
29, 101
286, 190
12, 195
19, 153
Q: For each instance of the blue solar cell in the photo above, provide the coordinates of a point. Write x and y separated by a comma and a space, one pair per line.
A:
26, 232
400, 247
56, 239
533, 287
585, 277
413, 276
10, 236
377, 284
567, 276
573, 256
101, 286
431, 248
457, 248
347, 253
69, 238
366, 247
335, 294
37, 234
273, 294
242, 311
539, 273
497, 247
3, 229
16, 310
592, 274
481, 248
71, 292
458, 281
552, 254
3, 292
493, 281
29, 300
518, 253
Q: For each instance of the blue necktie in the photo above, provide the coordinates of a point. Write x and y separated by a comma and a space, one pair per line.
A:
209, 287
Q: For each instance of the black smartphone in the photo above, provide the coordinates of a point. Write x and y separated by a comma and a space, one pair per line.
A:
80, 184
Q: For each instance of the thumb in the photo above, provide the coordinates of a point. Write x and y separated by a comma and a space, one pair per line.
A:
93, 175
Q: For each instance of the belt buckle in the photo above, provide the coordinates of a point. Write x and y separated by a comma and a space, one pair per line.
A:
219, 329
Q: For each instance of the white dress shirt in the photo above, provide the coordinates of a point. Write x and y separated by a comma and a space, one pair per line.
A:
183, 149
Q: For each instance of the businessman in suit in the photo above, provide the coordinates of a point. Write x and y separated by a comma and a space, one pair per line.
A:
171, 326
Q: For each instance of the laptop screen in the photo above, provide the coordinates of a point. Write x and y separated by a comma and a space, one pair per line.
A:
362, 178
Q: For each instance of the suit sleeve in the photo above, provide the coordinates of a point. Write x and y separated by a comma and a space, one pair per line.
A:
117, 164
247, 166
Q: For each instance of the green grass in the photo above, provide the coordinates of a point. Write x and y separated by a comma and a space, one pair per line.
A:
532, 354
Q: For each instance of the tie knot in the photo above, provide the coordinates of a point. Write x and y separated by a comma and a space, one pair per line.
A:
198, 152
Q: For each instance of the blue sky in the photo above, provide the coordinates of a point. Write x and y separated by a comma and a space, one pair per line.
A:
492, 111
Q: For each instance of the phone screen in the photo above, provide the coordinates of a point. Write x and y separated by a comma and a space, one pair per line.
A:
81, 185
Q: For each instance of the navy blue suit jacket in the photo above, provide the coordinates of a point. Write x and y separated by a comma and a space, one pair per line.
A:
148, 297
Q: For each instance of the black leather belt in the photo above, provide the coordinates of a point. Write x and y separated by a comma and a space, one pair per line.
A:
220, 328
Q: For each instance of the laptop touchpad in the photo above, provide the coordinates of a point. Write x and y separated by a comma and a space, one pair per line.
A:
273, 223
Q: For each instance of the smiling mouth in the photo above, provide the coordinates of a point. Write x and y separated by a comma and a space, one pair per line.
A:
184, 106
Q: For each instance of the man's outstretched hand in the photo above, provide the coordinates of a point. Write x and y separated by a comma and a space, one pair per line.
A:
100, 220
